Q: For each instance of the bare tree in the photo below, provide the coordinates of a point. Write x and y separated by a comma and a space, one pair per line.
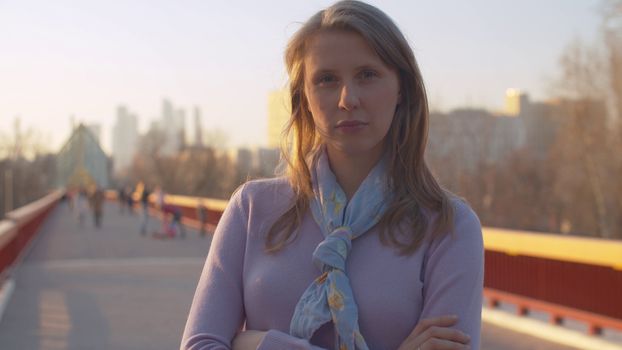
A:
587, 143
26, 172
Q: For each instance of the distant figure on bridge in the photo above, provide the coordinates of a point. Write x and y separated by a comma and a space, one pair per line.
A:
97, 205
82, 205
356, 246
171, 222
68, 197
202, 216
129, 199
160, 197
121, 198
144, 201
175, 228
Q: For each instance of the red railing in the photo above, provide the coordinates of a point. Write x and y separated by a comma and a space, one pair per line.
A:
20, 226
558, 314
567, 277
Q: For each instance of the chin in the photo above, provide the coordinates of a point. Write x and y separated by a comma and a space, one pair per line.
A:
356, 149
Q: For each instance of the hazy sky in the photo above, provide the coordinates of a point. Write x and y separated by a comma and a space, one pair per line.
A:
84, 58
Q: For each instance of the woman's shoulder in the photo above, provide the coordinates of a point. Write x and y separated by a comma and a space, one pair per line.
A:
462, 210
464, 234
466, 223
263, 200
272, 190
270, 187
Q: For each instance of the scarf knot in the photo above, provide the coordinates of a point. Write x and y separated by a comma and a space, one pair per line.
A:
334, 249
330, 297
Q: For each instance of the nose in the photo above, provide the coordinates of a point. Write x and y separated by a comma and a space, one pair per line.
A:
348, 99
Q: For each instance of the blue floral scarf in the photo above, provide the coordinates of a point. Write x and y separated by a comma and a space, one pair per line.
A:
330, 296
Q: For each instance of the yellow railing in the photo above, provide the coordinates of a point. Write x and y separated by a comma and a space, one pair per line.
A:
593, 251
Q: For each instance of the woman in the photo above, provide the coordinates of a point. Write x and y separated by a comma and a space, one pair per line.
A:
357, 246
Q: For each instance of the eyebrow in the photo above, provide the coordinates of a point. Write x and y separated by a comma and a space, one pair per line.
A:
358, 68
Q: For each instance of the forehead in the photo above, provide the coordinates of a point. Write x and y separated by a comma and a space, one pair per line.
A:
337, 49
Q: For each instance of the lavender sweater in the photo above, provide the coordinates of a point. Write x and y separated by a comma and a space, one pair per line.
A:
242, 287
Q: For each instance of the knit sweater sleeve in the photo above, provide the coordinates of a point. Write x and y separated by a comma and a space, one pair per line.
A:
454, 274
217, 312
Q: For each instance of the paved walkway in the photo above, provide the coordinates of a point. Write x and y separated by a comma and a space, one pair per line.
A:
82, 288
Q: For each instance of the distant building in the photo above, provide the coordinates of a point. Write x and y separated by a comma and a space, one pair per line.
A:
244, 164
172, 125
508, 135
267, 160
198, 128
461, 137
542, 123
181, 129
81, 161
515, 102
96, 130
468, 137
279, 110
124, 139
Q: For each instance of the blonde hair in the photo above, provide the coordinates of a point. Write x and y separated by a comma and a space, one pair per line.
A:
414, 186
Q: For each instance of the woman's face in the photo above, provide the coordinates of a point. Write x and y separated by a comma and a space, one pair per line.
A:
351, 93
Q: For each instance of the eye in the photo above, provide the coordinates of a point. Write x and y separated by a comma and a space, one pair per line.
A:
325, 79
368, 74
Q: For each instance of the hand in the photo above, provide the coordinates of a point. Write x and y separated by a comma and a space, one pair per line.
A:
435, 334
247, 340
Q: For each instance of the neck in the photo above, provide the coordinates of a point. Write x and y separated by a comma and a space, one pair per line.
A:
350, 170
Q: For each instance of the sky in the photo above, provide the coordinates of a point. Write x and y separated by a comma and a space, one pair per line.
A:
84, 58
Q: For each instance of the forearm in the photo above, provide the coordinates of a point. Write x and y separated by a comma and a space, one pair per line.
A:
247, 340
270, 340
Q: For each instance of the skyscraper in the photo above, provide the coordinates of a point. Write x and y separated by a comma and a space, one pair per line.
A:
181, 129
173, 126
124, 137
515, 102
198, 129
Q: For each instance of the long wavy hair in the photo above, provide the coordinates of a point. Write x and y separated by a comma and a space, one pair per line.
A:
415, 188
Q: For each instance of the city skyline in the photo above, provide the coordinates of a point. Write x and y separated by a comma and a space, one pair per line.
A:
226, 59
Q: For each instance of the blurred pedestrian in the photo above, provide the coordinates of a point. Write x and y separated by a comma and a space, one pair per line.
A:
144, 200
81, 205
160, 197
121, 199
171, 222
175, 227
202, 216
97, 204
68, 196
129, 199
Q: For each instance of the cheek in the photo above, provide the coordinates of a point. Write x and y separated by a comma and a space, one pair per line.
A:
382, 103
320, 107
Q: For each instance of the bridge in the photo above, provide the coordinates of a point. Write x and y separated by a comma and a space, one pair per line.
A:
72, 286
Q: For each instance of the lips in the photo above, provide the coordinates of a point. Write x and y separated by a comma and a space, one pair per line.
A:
350, 124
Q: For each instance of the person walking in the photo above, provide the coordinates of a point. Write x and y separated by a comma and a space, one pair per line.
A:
121, 199
129, 199
175, 227
144, 201
202, 213
97, 204
81, 205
